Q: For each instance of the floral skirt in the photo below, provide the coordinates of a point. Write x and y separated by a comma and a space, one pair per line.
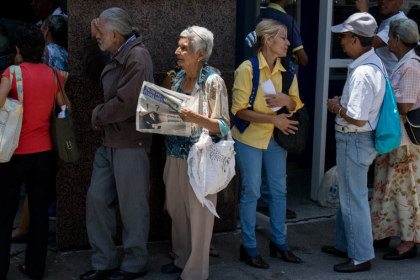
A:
395, 205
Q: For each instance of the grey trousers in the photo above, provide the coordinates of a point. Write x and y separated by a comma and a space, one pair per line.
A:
122, 173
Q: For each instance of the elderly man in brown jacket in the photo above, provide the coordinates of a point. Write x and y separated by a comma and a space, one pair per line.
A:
121, 166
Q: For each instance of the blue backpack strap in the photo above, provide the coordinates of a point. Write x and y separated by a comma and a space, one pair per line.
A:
292, 70
241, 124
255, 80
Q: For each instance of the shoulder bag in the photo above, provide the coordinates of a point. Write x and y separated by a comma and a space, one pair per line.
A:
11, 115
62, 131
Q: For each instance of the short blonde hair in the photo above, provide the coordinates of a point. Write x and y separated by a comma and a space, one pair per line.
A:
270, 27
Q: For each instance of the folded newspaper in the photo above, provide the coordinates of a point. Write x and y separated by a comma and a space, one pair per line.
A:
158, 108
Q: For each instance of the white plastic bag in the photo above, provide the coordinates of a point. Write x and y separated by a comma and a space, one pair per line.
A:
328, 192
211, 166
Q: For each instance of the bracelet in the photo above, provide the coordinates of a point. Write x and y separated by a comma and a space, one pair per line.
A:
339, 111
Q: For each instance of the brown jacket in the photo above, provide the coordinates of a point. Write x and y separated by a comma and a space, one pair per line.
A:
122, 79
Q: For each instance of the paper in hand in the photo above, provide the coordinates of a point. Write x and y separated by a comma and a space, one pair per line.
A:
268, 88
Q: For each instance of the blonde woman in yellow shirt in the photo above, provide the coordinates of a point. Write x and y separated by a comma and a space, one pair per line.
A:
255, 146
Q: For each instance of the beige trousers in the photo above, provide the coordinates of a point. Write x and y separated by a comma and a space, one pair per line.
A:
192, 224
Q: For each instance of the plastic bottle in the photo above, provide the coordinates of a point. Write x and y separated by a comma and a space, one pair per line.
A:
63, 112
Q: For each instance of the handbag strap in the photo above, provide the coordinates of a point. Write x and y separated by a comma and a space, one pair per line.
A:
57, 79
15, 70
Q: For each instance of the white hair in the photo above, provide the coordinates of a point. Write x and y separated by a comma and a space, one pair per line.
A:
116, 19
407, 29
200, 39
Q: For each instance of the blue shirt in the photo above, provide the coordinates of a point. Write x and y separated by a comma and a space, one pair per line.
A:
132, 38
58, 57
274, 11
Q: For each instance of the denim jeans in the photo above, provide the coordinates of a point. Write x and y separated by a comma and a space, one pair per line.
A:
251, 161
353, 230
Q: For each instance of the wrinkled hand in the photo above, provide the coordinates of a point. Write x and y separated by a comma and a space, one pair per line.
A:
65, 76
94, 27
188, 115
362, 5
276, 100
284, 124
333, 104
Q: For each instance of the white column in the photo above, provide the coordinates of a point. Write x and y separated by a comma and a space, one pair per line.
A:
322, 79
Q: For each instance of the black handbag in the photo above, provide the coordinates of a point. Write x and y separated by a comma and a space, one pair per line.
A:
412, 125
293, 143
62, 132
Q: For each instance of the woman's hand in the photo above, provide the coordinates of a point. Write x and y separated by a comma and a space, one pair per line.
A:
284, 124
277, 100
188, 115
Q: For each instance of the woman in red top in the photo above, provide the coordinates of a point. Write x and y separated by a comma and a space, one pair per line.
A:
33, 161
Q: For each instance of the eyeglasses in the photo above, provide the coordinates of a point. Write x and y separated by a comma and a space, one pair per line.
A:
198, 36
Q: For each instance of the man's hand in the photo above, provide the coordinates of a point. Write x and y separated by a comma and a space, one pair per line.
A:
94, 29
284, 124
333, 104
362, 5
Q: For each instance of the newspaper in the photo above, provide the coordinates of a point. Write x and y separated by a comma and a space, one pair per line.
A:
158, 108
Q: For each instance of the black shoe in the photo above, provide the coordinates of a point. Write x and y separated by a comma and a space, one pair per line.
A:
96, 274
124, 275
394, 255
383, 243
332, 251
287, 256
170, 268
349, 266
256, 261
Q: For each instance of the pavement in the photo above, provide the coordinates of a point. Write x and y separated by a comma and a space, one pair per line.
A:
313, 228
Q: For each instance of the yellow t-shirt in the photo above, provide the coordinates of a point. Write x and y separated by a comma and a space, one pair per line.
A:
258, 134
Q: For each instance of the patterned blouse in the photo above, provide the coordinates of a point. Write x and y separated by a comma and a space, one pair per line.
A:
210, 83
58, 57
405, 81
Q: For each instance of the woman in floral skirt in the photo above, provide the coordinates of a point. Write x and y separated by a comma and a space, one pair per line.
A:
395, 206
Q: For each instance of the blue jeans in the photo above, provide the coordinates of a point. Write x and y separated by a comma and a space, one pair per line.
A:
353, 230
251, 161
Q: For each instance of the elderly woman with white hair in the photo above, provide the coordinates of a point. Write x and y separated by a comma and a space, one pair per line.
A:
395, 207
192, 224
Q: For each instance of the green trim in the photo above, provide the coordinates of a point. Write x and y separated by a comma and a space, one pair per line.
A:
276, 7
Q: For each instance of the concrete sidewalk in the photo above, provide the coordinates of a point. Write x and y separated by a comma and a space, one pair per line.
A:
313, 228
305, 239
